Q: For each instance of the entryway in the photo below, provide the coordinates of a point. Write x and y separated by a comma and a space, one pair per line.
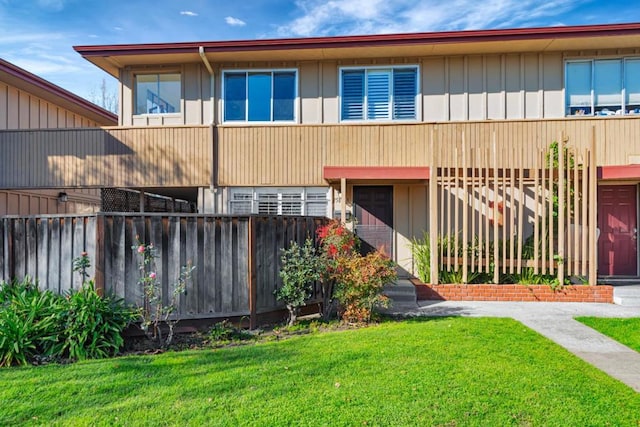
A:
618, 223
373, 206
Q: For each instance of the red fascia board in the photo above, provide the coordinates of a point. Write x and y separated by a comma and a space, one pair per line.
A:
334, 173
619, 172
32, 79
365, 40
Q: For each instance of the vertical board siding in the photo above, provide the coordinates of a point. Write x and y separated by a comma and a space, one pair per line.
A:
296, 155
106, 157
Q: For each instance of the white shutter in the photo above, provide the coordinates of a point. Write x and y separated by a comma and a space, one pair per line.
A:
378, 94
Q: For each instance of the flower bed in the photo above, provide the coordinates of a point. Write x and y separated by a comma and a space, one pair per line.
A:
488, 292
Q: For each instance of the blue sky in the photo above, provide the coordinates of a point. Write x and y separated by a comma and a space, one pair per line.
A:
38, 35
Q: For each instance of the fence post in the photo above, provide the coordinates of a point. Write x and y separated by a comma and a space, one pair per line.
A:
433, 213
253, 321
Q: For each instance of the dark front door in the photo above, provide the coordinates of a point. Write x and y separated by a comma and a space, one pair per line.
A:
374, 218
617, 221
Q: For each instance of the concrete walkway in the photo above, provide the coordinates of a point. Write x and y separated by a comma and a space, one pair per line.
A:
554, 321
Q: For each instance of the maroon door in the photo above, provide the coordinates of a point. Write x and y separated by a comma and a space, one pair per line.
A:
374, 217
617, 220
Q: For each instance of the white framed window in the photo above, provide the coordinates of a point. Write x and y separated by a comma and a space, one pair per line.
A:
602, 87
260, 95
309, 201
379, 93
159, 93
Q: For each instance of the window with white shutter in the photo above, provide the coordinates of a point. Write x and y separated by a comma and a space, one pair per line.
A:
379, 93
310, 201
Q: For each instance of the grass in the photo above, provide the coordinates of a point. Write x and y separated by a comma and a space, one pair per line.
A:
625, 331
447, 372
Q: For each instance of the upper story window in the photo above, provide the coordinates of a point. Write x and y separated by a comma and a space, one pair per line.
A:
157, 93
373, 93
602, 87
259, 96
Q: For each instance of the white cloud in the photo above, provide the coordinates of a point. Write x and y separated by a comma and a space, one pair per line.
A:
118, 28
380, 16
188, 13
56, 5
235, 22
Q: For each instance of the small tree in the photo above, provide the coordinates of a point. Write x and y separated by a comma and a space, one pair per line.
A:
153, 312
299, 272
336, 243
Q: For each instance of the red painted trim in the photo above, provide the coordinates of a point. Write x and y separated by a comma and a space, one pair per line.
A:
331, 173
619, 172
22, 74
365, 40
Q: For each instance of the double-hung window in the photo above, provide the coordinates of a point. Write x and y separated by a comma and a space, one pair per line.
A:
602, 87
260, 96
372, 93
157, 93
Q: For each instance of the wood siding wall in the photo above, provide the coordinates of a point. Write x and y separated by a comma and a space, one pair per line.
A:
106, 157
22, 110
296, 155
43, 202
236, 259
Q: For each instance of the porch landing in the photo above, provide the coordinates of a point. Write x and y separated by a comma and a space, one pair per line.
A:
627, 295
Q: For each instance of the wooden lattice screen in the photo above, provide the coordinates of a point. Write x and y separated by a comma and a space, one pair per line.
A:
495, 211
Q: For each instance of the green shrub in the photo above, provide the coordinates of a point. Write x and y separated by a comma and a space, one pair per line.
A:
93, 324
299, 271
28, 326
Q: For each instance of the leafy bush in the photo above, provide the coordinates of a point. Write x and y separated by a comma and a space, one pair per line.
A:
299, 271
81, 325
28, 324
360, 280
93, 324
226, 331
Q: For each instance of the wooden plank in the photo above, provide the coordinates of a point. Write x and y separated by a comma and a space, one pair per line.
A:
433, 208
496, 268
208, 305
584, 222
53, 261
31, 248
593, 210
250, 226
465, 212
19, 248
536, 216
42, 238
77, 249
4, 276
66, 254
226, 264
561, 209
191, 252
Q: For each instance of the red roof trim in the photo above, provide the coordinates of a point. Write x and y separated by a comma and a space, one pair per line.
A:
619, 172
332, 173
43, 84
365, 40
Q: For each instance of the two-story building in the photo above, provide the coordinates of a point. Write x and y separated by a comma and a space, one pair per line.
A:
405, 132
28, 102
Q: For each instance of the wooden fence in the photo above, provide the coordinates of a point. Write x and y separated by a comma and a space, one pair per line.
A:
484, 213
236, 259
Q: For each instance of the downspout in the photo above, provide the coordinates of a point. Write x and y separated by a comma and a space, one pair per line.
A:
214, 160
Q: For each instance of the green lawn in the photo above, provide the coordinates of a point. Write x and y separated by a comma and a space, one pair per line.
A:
448, 372
626, 331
